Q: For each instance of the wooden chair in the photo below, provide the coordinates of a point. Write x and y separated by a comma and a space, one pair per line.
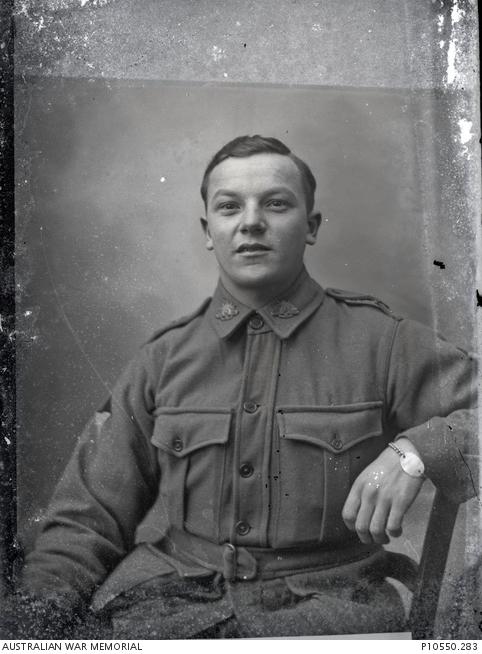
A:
432, 566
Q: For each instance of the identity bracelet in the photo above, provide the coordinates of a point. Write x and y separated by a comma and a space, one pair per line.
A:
410, 462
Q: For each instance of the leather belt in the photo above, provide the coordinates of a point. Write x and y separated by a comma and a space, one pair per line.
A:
256, 562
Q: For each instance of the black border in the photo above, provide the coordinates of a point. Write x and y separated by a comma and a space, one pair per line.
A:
8, 498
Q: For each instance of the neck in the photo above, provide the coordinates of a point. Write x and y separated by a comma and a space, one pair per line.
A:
256, 297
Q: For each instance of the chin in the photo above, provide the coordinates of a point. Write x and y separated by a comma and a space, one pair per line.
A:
258, 280
253, 275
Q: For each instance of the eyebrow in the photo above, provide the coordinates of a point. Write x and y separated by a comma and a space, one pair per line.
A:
270, 191
222, 191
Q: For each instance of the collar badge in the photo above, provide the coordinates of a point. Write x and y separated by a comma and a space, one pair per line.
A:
283, 309
227, 311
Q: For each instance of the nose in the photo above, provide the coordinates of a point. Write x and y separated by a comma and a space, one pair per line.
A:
252, 219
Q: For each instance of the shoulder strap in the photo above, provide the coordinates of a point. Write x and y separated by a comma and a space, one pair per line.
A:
351, 298
179, 322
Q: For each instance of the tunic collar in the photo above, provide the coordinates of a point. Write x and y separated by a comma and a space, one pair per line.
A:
284, 314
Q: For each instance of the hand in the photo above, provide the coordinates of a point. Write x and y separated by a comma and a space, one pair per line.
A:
380, 497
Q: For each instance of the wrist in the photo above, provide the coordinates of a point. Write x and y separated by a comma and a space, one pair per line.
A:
406, 445
409, 459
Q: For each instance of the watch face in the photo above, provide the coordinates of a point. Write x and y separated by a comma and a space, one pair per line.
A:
412, 464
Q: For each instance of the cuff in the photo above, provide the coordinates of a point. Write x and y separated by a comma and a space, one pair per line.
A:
451, 470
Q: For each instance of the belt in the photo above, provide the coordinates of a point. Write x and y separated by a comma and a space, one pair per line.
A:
256, 562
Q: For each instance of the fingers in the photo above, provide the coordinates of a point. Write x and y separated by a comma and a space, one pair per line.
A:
394, 523
367, 511
351, 506
363, 520
378, 524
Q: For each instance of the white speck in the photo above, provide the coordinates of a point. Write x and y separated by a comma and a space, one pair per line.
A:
369, 31
27, 314
34, 338
40, 24
316, 27
457, 14
238, 24
83, 2
7, 440
217, 53
440, 22
163, 179
452, 72
465, 127
225, 74
441, 44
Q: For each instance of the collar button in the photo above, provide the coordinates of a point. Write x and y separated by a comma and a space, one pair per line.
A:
256, 322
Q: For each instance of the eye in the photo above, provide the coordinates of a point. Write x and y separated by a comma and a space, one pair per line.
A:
227, 208
277, 204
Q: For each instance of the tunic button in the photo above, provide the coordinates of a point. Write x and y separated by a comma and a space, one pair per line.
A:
256, 322
177, 444
250, 407
246, 470
242, 528
337, 443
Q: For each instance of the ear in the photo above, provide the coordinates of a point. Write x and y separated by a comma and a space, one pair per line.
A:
314, 222
207, 234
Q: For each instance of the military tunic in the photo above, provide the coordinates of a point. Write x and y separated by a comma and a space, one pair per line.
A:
246, 429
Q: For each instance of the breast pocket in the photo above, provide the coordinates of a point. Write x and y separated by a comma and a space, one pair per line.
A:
192, 450
322, 450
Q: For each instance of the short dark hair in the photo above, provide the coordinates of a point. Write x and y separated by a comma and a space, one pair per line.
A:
246, 146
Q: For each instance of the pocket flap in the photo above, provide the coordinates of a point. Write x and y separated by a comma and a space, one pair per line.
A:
335, 428
181, 432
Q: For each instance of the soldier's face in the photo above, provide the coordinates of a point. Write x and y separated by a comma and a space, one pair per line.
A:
257, 221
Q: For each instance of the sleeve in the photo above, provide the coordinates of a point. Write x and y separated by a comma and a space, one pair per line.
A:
432, 400
108, 485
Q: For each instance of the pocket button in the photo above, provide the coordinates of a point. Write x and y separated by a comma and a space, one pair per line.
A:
336, 443
177, 444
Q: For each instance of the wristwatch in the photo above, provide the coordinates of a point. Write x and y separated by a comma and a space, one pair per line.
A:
410, 462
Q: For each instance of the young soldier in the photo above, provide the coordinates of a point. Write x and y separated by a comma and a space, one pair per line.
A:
256, 454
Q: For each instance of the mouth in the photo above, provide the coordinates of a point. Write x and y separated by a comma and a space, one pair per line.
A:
252, 247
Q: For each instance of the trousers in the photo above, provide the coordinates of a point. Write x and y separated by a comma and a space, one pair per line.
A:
308, 604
